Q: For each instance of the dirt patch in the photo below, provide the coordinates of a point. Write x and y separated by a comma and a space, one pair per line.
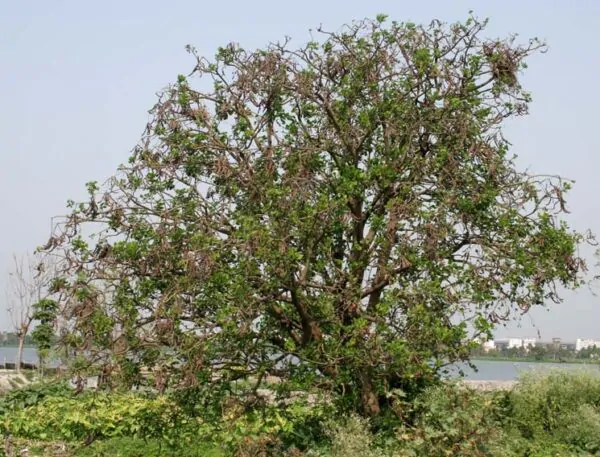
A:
12, 380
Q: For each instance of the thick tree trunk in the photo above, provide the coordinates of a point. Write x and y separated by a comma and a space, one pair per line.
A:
20, 352
368, 395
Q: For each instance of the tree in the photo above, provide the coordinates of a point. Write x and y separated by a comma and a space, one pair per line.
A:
45, 312
27, 283
341, 214
539, 352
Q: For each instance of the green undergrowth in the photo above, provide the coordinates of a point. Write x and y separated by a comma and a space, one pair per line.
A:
555, 414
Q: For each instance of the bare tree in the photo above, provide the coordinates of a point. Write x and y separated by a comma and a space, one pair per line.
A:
27, 284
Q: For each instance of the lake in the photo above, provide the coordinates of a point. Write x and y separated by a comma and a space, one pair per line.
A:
9, 354
488, 370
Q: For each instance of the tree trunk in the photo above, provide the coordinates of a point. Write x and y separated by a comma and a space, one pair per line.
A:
368, 395
19, 359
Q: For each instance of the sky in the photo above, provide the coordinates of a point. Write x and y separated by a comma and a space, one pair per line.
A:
77, 80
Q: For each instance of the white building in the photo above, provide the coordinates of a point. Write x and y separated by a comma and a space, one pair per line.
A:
514, 343
510, 343
586, 344
489, 345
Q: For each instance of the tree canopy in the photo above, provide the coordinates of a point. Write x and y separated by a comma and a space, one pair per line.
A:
345, 214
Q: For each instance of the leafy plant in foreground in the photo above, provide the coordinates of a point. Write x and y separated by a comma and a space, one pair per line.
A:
31, 395
541, 403
92, 417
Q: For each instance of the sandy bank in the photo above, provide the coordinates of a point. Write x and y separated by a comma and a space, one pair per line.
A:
11, 380
489, 385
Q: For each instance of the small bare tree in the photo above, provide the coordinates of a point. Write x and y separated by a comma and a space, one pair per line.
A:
27, 285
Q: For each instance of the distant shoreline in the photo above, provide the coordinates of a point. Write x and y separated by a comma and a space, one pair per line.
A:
531, 360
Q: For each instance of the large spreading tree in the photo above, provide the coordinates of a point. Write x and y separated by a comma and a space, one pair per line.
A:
346, 213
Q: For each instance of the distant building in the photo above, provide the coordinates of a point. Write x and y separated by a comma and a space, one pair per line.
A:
515, 343
489, 345
586, 344
556, 343
509, 343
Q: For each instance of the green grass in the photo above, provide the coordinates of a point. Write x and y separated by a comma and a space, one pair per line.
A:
132, 447
115, 447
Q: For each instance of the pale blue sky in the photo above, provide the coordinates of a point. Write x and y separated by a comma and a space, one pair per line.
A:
77, 79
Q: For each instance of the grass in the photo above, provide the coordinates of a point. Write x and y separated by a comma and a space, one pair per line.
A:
131, 447
114, 447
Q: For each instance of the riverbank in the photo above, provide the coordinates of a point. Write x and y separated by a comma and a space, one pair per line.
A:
488, 386
10, 380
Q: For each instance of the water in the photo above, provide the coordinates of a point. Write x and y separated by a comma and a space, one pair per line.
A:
9, 354
488, 370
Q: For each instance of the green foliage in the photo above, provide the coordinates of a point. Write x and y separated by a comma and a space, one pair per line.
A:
296, 425
11, 339
132, 447
52, 412
322, 214
99, 416
353, 438
45, 312
541, 404
113, 447
447, 420
451, 420
581, 428
31, 395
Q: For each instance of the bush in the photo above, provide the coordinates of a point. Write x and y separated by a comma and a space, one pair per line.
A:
557, 414
452, 420
581, 429
94, 417
544, 404
33, 394
97, 416
352, 438
298, 425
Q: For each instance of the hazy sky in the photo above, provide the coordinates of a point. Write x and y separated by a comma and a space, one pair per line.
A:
77, 79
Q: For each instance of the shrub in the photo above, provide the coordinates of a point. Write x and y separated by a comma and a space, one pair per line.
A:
90, 417
541, 404
33, 394
297, 425
452, 420
352, 438
581, 428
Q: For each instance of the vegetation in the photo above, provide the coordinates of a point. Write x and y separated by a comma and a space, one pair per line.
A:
11, 339
322, 214
540, 354
27, 281
292, 255
557, 414
45, 312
